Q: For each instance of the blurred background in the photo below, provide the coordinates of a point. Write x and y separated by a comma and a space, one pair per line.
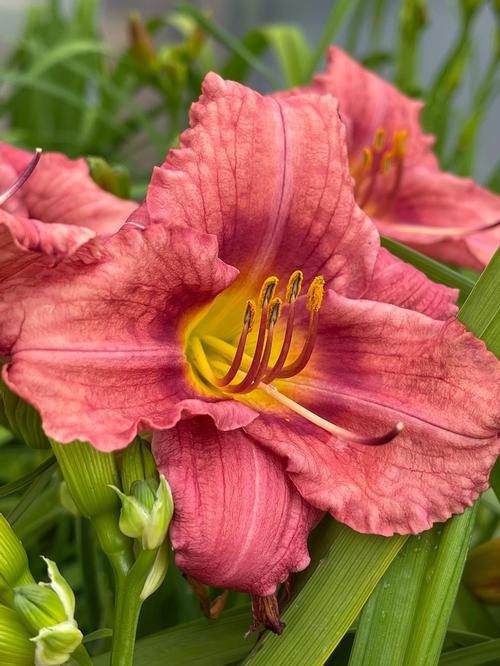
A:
69, 82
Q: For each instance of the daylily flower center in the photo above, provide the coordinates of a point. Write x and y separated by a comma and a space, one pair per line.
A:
382, 160
233, 364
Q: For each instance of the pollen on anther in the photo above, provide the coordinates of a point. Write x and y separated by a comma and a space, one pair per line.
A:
249, 317
267, 290
378, 139
399, 143
274, 311
386, 162
294, 286
367, 158
315, 293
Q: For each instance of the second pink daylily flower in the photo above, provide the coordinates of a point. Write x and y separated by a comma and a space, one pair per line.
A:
58, 210
270, 401
397, 178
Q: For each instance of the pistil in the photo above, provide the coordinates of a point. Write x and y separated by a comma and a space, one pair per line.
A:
5, 196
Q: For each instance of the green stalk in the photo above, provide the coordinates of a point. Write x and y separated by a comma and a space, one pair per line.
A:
340, 10
412, 21
90, 577
128, 605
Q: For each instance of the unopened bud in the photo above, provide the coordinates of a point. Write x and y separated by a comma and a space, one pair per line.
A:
140, 40
147, 512
88, 473
482, 572
23, 420
137, 464
16, 649
157, 573
14, 570
47, 611
111, 178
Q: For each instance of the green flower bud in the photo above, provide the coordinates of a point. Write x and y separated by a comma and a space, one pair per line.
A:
146, 514
482, 572
14, 570
38, 607
55, 645
114, 179
23, 420
157, 573
140, 41
47, 611
15, 646
88, 473
137, 463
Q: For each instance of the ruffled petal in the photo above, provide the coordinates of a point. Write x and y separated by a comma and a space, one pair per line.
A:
24, 241
61, 191
239, 522
270, 178
367, 102
399, 283
441, 200
375, 365
128, 371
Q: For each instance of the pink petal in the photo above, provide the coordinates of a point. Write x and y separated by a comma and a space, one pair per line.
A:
61, 191
239, 522
375, 365
368, 102
441, 200
23, 241
270, 178
99, 350
399, 283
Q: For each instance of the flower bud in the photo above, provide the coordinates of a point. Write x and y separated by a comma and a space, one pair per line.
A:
14, 570
114, 179
16, 649
23, 420
88, 473
137, 463
156, 574
147, 512
140, 41
47, 612
482, 572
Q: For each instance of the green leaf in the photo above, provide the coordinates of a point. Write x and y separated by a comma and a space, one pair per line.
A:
406, 624
473, 655
24, 481
338, 15
329, 602
288, 44
201, 642
432, 268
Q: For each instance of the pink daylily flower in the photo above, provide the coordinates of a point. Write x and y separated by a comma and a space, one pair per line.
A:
398, 180
269, 406
52, 213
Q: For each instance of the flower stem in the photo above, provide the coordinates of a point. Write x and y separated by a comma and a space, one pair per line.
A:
128, 605
81, 657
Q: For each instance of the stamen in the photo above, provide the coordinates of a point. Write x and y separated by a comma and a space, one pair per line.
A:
265, 297
367, 158
248, 321
336, 430
386, 161
378, 139
399, 143
274, 311
294, 286
314, 301
22, 178
292, 293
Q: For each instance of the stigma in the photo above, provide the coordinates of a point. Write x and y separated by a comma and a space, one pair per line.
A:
255, 371
5, 196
